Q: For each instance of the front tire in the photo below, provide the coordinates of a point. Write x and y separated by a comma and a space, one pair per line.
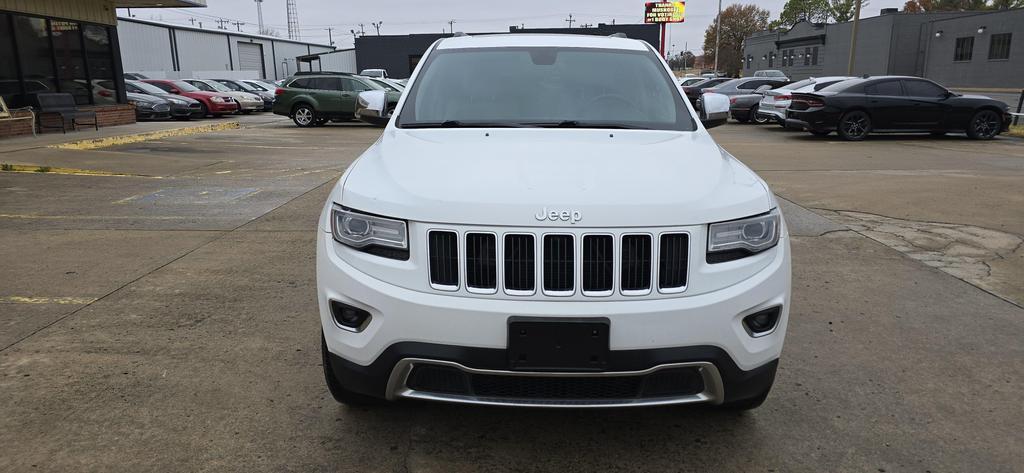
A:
204, 111
304, 116
741, 118
984, 125
854, 126
334, 386
759, 119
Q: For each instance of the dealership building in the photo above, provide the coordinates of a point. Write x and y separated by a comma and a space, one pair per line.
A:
163, 50
968, 49
399, 54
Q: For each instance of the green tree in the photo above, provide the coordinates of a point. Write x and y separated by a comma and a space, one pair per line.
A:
844, 10
814, 11
738, 22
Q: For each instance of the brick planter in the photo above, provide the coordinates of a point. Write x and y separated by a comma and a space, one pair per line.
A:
106, 115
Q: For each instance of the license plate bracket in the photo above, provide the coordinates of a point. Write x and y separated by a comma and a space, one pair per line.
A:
550, 344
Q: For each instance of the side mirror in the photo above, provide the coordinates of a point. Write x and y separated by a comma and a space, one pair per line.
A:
714, 110
371, 107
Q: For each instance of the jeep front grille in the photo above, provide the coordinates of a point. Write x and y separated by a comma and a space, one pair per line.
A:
603, 263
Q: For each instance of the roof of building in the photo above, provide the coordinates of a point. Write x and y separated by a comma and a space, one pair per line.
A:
219, 31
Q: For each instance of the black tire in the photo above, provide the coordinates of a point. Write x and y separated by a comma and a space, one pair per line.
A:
759, 119
821, 133
337, 390
984, 125
854, 126
741, 118
204, 110
304, 116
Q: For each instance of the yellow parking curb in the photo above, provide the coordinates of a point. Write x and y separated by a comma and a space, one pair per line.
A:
68, 171
153, 135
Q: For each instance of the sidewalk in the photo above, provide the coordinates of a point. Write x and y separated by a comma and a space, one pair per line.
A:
27, 142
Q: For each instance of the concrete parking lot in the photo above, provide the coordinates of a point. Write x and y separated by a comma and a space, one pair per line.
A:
166, 319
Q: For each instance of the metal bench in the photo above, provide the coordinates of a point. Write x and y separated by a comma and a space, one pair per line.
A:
64, 106
6, 115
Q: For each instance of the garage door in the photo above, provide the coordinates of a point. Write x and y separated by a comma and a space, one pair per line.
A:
250, 58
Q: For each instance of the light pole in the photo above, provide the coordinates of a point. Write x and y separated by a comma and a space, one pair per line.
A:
853, 38
718, 31
259, 14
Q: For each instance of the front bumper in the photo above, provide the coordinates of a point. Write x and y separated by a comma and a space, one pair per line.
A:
251, 106
409, 327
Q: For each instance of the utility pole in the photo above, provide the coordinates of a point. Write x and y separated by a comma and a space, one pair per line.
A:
362, 30
193, 21
377, 26
570, 21
330, 36
221, 22
238, 25
259, 14
718, 31
853, 38
451, 26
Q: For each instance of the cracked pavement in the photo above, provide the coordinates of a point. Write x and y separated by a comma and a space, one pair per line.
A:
171, 324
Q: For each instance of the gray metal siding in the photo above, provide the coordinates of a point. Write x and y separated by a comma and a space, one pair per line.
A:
979, 71
145, 47
198, 51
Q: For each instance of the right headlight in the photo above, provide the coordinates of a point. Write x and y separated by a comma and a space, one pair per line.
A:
216, 100
370, 233
735, 239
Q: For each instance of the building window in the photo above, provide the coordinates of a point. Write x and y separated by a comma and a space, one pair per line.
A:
964, 49
999, 46
35, 56
807, 56
100, 60
814, 56
771, 59
67, 46
10, 87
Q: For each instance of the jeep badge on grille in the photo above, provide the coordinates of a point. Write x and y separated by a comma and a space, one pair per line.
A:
571, 216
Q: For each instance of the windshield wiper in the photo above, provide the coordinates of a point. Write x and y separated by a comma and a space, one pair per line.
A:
461, 124
584, 124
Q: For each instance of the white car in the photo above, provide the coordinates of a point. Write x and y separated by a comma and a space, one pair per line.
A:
247, 103
545, 221
775, 102
378, 73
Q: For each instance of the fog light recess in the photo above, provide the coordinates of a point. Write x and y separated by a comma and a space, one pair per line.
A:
763, 322
348, 317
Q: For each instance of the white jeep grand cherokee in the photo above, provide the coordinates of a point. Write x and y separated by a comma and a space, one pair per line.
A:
546, 222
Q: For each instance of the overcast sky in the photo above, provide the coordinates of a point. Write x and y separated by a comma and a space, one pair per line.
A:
430, 16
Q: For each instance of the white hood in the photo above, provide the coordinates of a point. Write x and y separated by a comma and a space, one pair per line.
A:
613, 178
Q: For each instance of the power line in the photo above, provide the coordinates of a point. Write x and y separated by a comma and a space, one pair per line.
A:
238, 25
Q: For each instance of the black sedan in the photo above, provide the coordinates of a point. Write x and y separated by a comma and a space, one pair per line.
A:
895, 104
149, 107
182, 108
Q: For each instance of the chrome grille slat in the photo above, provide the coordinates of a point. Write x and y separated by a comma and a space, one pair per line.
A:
444, 259
636, 263
481, 261
520, 258
598, 264
673, 260
559, 264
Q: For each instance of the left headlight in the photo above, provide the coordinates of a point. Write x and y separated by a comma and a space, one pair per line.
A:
735, 239
381, 236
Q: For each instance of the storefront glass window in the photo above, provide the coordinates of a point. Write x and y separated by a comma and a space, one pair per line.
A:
99, 56
10, 88
67, 44
35, 55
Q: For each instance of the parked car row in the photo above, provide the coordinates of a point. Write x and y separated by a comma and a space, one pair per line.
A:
855, 107
183, 99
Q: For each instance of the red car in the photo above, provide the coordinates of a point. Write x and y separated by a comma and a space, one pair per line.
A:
212, 103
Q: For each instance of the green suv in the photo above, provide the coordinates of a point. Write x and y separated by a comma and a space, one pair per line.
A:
314, 99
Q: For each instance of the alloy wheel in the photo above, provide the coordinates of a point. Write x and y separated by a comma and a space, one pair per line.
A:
985, 125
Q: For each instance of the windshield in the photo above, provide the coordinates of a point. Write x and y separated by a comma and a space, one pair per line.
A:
545, 86
260, 85
148, 88
216, 86
184, 86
